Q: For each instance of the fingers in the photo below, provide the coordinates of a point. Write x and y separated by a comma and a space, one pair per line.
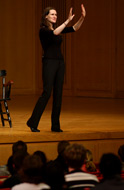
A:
71, 16
83, 10
82, 6
71, 10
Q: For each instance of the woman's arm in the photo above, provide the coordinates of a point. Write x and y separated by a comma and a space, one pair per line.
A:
60, 28
78, 24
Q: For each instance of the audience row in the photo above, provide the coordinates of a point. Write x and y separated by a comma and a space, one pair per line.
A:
72, 169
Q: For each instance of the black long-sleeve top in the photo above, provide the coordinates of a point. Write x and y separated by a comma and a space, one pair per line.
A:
51, 43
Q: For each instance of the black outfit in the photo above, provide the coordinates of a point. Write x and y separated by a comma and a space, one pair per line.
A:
114, 183
54, 175
53, 77
59, 163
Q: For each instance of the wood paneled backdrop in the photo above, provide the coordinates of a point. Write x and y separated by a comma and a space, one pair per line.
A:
93, 55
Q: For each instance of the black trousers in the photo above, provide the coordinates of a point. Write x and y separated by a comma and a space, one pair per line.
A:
53, 78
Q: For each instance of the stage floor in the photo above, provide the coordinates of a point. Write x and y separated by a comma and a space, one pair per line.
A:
78, 116
82, 119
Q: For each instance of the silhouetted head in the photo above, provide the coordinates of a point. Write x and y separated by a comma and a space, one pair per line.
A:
110, 165
19, 145
32, 169
62, 146
42, 155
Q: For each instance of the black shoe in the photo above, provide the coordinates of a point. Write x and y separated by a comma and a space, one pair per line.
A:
33, 129
56, 130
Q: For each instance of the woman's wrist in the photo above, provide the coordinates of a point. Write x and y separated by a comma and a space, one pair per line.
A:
82, 17
66, 22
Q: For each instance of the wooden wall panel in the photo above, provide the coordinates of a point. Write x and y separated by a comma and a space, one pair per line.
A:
17, 43
98, 148
92, 50
120, 48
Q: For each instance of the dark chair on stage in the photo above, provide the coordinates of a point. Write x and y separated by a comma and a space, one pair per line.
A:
5, 89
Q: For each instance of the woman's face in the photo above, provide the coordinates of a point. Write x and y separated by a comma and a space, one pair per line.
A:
52, 16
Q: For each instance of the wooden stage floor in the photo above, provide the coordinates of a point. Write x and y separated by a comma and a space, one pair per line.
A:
98, 123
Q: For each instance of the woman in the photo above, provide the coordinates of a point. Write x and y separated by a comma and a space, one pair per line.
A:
53, 65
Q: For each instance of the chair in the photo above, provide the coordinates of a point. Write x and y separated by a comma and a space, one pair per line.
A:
6, 89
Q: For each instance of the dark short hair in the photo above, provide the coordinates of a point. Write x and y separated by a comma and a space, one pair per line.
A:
18, 159
62, 146
19, 145
110, 165
32, 169
75, 155
42, 155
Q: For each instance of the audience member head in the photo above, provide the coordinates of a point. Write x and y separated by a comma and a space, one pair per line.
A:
89, 155
42, 155
62, 146
32, 169
110, 165
19, 145
90, 166
17, 159
121, 152
75, 155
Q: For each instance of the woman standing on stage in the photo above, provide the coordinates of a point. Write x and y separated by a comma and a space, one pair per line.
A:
53, 66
